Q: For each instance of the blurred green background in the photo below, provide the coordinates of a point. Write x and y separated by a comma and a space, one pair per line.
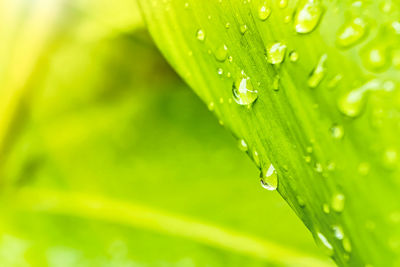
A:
109, 159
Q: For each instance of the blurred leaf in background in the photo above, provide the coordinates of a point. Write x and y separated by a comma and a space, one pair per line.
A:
109, 160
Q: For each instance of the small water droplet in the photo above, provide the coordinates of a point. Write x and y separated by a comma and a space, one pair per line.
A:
351, 33
243, 145
243, 28
308, 16
300, 201
337, 131
390, 157
220, 71
211, 106
318, 72
324, 241
200, 35
243, 92
325, 208
293, 56
335, 80
264, 12
283, 3
256, 158
338, 231
307, 159
338, 201
275, 83
276, 53
346, 244
227, 25
221, 53
318, 167
269, 179
363, 168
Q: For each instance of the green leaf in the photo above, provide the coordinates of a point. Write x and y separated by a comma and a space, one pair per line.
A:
112, 167
312, 89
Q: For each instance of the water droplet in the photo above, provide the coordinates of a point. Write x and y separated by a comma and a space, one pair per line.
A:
335, 80
338, 201
275, 83
375, 58
318, 167
325, 208
283, 3
256, 158
338, 231
276, 53
221, 53
227, 25
352, 103
211, 106
300, 201
324, 241
293, 56
390, 157
337, 131
363, 168
264, 12
243, 145
200, 35
307, 159
220, 71
308, 16
243, 28
318, 72
351, 33
309, 149
346, 244
243, 92
269, 179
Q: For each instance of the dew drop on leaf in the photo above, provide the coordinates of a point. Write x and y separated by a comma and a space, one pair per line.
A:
318, 72
338, 201
325, 208
283, 3
324, 241
352, 103
375, 58
200, 35
221, 53
276, 53
308, 16
269, 178
264, 12
211, 106
337, 131
243, 28
220, 71
338, 231
243, 92
243, 145
351, 33
275, 83
346, 244
293, 56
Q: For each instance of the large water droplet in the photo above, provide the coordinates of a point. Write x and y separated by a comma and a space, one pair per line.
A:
318, 72
264, 12
276, 53
200, 35
243, 92
221, 53
269, 178
338, 201
308, 16
324, 241
351, 32
352, 103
